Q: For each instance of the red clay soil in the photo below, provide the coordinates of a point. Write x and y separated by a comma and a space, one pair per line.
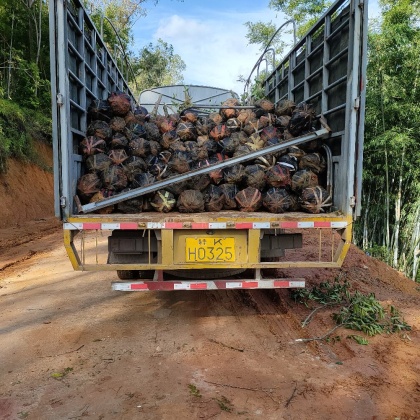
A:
73, 349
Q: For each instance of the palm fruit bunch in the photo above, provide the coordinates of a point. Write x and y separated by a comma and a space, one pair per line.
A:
126, 148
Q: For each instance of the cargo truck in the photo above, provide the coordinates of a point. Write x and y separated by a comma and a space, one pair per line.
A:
213, 250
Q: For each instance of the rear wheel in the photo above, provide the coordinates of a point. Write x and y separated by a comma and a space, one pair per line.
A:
128, 274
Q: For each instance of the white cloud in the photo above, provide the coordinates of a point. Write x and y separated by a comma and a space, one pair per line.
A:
215, 50
211, 39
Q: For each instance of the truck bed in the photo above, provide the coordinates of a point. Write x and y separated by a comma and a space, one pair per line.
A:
222, 216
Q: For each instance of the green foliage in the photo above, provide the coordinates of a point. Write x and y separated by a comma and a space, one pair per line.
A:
24, 52
326, 293
62, 374
224, 404
256, 88
359, 339
358, 311
115, 19
380, 252
367, 315
391, 177
18, 127
304, 13
158, 65
194, 391
261, 33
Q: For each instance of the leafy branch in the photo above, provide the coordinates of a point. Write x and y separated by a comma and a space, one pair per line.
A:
358, 311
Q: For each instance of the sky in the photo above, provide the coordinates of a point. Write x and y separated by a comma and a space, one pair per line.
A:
210, 36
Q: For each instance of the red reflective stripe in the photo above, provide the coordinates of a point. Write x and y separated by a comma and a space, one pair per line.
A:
281, 283
250, 284
129, 225
243, 225
322, 224
88, 226
161, 285
198, 286
135, 286
288, 225
173, 225
199, 226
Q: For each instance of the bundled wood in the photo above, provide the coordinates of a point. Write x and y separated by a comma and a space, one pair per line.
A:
132, 205
139, 147
99, 196
118, 141
255, 177
200, 182
163, 201
285, 107
301, 119
186, 131
314, 162
87, 186
315, 200
190, 201
229, 192
126, 148
120, 103
230, 112
117, 124
92, 145
118, 156
278, 176
249, 199
98, 163
213, 198
277, 200
303, 179
114, 178
234, 174
99, 109
99, 129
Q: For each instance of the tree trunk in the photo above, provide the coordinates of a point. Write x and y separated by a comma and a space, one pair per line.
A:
9, 75
365, 243
416, 244
398, 214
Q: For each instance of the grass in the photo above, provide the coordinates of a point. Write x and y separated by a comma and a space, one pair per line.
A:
62, 374
224, 404
194, 391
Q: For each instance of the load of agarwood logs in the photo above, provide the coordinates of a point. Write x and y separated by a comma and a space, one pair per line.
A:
127, 148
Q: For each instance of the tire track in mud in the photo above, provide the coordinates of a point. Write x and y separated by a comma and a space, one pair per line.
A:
270, 306
280, 318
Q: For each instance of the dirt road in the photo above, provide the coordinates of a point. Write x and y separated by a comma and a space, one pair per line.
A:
73, 349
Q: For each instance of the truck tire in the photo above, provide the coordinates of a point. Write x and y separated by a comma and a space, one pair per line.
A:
127, 274
145, 274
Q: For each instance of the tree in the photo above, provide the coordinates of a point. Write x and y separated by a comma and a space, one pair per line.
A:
158, 65
391, 199
115, 19
304, 12
24, 52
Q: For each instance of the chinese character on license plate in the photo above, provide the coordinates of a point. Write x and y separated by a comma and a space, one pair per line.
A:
207, 249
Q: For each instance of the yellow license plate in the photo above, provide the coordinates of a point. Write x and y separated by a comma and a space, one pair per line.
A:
207, 249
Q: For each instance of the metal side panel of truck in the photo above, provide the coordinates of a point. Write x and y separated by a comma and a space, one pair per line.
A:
227, 249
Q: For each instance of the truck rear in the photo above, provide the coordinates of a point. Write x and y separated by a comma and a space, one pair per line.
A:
212, 250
